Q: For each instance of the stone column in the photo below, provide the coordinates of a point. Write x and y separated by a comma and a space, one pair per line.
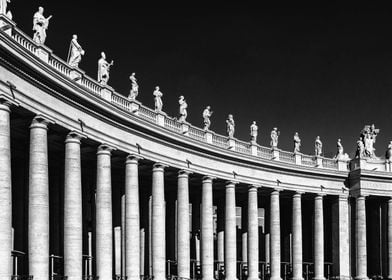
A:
183, 244
5, 191
158, 223
318, 238
207, 230
360, 235
73, 221
389, 226
38, 220
230, 233
253, 234
104, 223
275, 235
220, 244
132, 218
297, 237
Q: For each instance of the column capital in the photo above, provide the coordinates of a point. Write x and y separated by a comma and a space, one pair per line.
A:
276, 191
75, 137
208, 178
298, 194
159, 166
105, 148
253, 188
319, 195
231, 183
41, 121
184, 173
360, 196
133, 159
7, 102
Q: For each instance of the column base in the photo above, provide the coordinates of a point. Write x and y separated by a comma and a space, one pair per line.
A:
361, 278
254, 278
341, 277
275, 278
319, 278
234, 278
297, 278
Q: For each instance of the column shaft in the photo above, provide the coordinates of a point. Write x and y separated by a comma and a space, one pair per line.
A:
275, 235
360, 234
230, 233
318, 238
207, 230
158, 224
73, 230
183, 244
104, 223
38, 220
253, 234
5, 192
132, 219
297, 237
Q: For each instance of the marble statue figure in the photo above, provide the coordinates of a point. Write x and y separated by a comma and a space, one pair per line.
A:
75, 52
388, 153
274, 137
158, 99
297, 143
103, 69
253, 132
40, 25
368, 138
230, 125
3, 8
135, 87
183, 107
206, 117
318, 147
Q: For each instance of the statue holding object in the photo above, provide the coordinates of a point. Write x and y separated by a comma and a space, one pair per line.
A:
135, 87
274, 138
253, 132
230, 126
40, 25
297, 143
158, 99
206, 117
75, 52
367, 139
103, 69
318, 147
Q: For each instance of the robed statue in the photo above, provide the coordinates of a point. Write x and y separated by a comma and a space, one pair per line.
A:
158, 99
297, 143
75, 52
3, 8
274, 137
135, 87
368, 138
103, 69
40, 25
253, 132
206, 117
318, 147
230, 126
183, 109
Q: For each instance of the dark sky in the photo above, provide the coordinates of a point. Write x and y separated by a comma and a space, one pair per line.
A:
319, 71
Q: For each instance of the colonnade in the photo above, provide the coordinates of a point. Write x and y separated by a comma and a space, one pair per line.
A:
38, 221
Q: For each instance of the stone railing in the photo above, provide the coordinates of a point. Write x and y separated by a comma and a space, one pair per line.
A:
107, 93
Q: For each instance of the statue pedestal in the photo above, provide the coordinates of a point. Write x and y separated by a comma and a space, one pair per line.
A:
208, 136
319, 162
76, 74
298, 158
342, 165
43, 53
185, 128
6, 24
275, 153
134, 106
106, 93
231, 143
253, 148
160, 119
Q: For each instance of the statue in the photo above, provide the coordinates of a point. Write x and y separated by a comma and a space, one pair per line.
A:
103, 69
40, 24
206, 117
368, 138
75, 52
3, 8
183, 107
274, 137
230, 125
388, 153
135, 87
297, 143
318, 147
360, 149
253, 132
158, 99
340, 151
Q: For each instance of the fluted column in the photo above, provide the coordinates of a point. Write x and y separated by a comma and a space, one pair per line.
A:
38, 225
183, 244
230, 233
318, 238
5, 191
73, 230
360, 235
297, 237
253, 234
275, 235
207, 230
158, 223
390, 238
132, 218
103, 205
